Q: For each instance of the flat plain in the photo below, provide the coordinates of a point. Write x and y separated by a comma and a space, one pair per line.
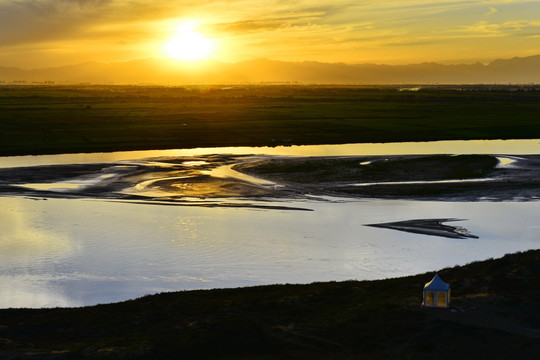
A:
85, 118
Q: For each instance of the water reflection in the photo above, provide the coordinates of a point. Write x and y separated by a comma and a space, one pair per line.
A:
30, 250
458, 181
81, 252
508, 147
26, 234
507, 161
18, 291
226, 171
73, 252
59, 186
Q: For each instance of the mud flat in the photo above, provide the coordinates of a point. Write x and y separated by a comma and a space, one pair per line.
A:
433, 227
423, 177
216, 178
164, 181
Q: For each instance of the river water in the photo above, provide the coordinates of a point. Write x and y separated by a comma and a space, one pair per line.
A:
74, 252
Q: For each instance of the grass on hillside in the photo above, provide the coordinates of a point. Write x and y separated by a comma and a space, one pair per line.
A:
495, 315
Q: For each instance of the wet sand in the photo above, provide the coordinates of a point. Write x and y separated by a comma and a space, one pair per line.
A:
243, 180
173, 181
434, 227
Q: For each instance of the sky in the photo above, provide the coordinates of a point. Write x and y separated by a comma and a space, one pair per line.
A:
50, 33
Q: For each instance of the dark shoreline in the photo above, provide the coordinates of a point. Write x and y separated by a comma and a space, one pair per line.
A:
494, 313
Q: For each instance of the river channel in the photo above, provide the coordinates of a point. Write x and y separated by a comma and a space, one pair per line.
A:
84, 251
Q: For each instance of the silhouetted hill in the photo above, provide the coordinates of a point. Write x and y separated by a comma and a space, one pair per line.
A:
494, 315
159, 71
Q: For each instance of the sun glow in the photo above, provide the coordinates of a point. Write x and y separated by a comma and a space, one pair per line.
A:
188, 44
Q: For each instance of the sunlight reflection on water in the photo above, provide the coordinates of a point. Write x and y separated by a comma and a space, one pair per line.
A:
72, 252
82, 252
508, 147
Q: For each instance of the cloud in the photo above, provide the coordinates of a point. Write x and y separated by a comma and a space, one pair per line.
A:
253, 27
31, 21
49, 7
250, 26
272, 22
492, 11
509, 28
35, 21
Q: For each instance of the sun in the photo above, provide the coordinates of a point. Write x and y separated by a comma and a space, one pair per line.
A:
188, 44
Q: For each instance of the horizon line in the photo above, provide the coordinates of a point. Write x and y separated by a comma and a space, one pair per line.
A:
211, 61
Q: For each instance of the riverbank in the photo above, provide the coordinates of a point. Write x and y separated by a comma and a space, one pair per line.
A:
494, 314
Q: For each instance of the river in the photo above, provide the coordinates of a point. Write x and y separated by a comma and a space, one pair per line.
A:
75, 252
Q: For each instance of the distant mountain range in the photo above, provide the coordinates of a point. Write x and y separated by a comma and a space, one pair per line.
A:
158, 71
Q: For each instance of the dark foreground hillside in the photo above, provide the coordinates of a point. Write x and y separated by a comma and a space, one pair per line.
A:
495, 316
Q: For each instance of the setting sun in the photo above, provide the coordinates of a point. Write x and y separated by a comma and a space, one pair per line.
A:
188, 44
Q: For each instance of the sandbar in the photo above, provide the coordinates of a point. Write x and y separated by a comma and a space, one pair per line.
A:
434, 227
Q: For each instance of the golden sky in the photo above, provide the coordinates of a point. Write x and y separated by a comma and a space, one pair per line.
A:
43, 33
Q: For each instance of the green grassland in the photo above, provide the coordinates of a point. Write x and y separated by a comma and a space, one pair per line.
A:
56, 119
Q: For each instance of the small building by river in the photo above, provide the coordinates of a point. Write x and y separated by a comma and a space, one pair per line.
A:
436, 293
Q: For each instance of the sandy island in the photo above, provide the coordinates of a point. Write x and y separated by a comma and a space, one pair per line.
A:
433, 227
242, 180
270, 182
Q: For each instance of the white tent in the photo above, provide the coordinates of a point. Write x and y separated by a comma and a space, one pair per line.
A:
436, 293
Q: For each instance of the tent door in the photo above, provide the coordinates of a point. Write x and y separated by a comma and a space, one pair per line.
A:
429, 298
441, 299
